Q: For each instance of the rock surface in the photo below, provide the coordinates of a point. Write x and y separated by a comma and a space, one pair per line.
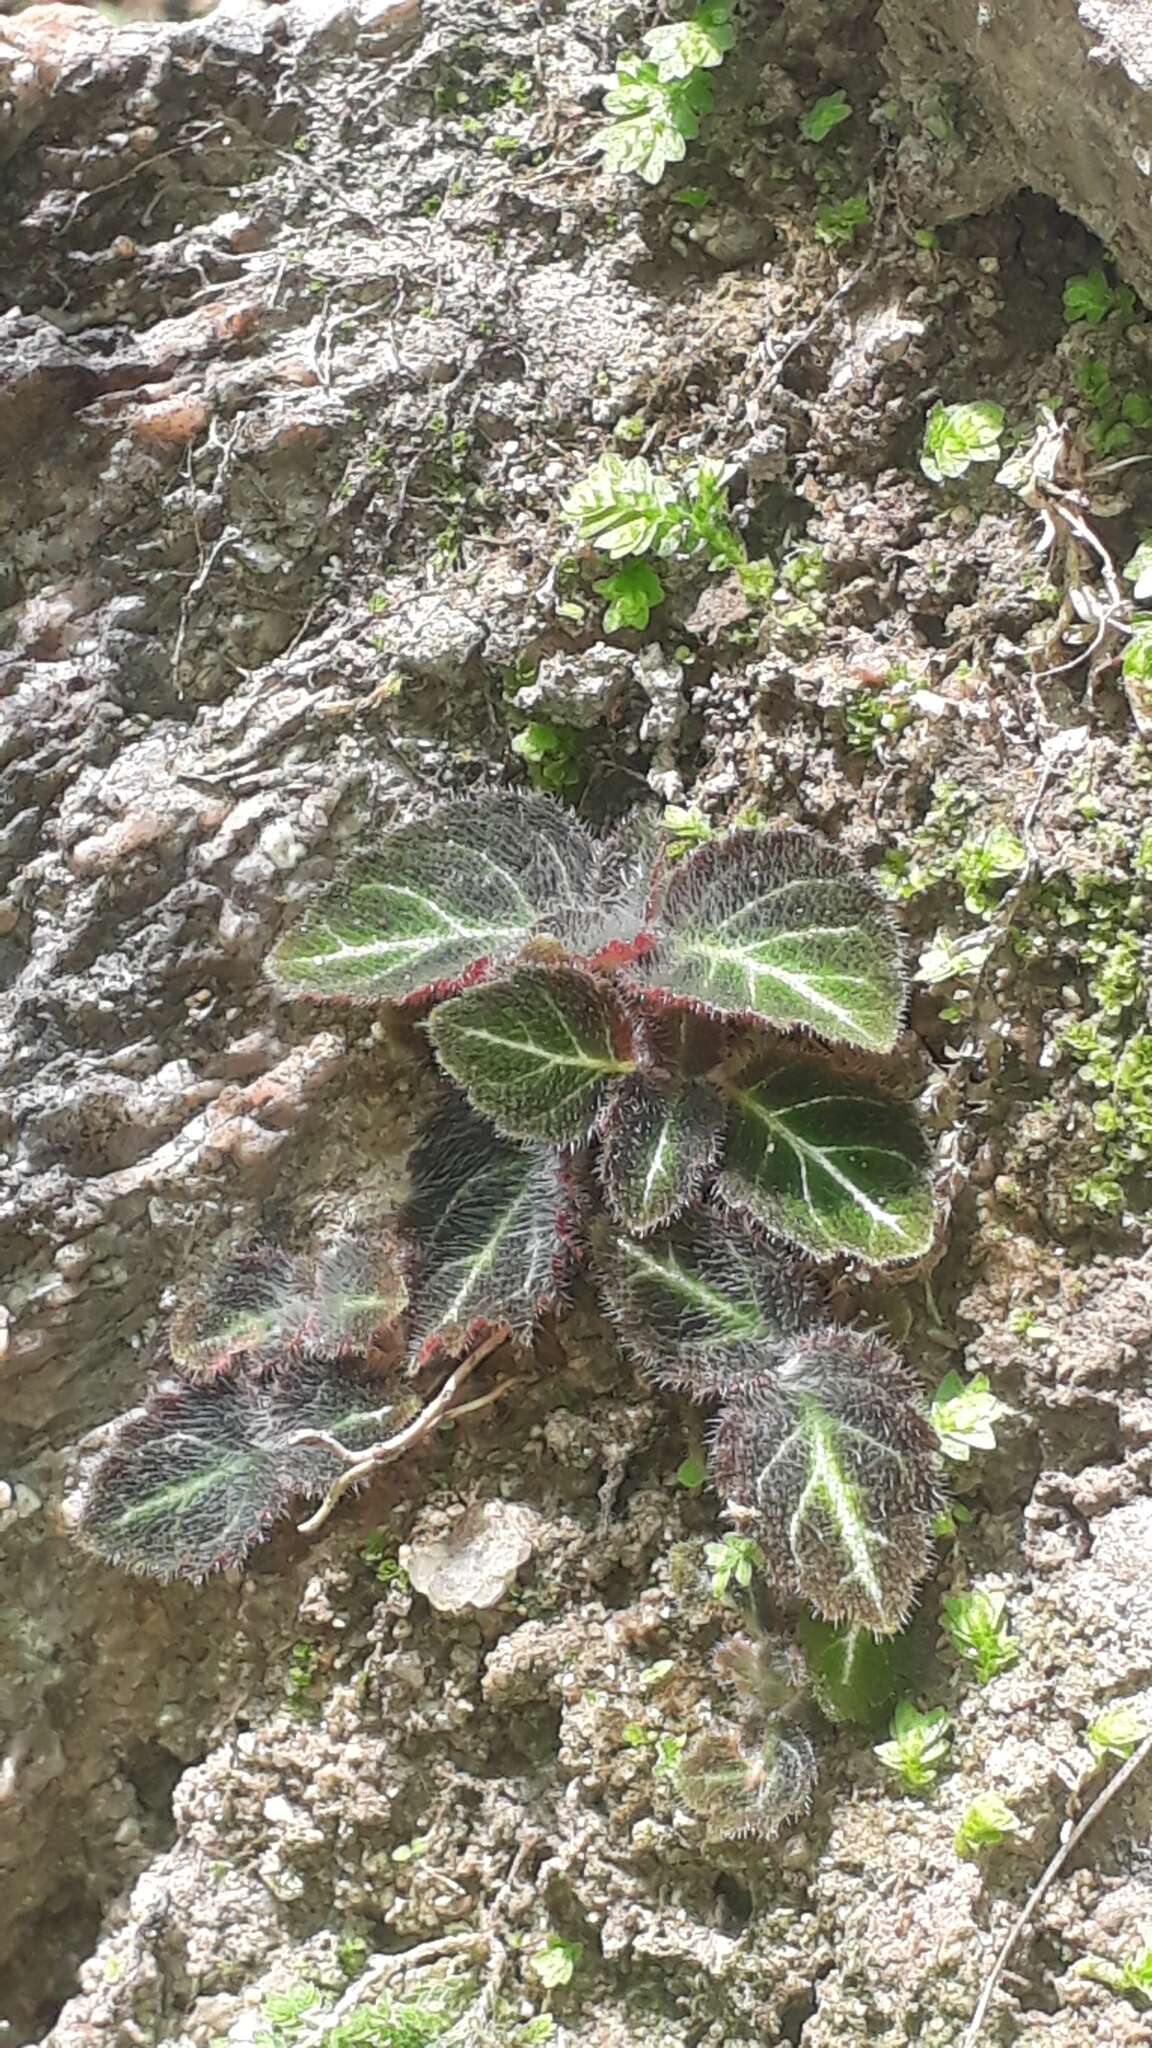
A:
309, 319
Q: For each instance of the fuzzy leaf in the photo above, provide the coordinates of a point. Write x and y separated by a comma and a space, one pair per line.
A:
358, 1290
828, 1163
189, 1484
473, 882
658, 1140
256, 1306
493, 1221
742, 1787
784, 926
702, 1304
535, 1051
835, 1456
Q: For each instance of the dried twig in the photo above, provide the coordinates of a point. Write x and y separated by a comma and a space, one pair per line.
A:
1115, 1783
362, 1464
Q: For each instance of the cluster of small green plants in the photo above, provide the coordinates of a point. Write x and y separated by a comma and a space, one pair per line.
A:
668, 1074
1112, 415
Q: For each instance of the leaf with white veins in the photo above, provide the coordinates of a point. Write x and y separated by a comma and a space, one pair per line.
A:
702, 1305
658, 1140
472, 882
828, 1163
784, 926
190, 1483
834, 1454
535, 1051
492, 1221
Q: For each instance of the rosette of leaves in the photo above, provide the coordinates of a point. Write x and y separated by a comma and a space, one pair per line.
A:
570, 1005
833, 1465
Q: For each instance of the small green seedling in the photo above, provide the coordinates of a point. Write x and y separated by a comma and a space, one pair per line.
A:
964, 1415
1139, 570
983, 1825
554, 1965
691, 1474
669, 1750
632, 592
1089, 299
659, 100
1117, 1731
956, 436
977, 1628
954, 956
1132, 1979
825, 115
551, 754
733, 1561
837, 220
918, 1745
686, 827
985, 864
624, 508
948, 1523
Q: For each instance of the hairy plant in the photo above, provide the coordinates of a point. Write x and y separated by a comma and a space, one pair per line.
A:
744, 1785
831, 1462
667, 1069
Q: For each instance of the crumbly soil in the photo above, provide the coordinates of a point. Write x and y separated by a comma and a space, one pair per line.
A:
312, 319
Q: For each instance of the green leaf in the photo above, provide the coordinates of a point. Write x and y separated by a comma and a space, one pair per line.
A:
918, 1747
473, 882
535, 1052
1088, 298
658, 1141
976, 1625
699, 1305
837, 220
190, 1483
555, 1963
492, 1222
964, 1416
631, 593
358, 1290
825, 115
958, 435
833, 1456
657, 119
255, 1306
785, 926
853, 1674
623, 506
984, 1824
678, 48
827, 1163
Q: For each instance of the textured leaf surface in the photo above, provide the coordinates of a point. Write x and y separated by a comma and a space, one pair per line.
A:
701, 1305
835, 1454
257, 1305
741, 1787
783, 925
358, 1289
658, 1140
492, 1220
191, 1483
472, 882
534, 1051
828, 1163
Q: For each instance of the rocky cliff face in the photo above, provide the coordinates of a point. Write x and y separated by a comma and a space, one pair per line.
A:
309, 318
